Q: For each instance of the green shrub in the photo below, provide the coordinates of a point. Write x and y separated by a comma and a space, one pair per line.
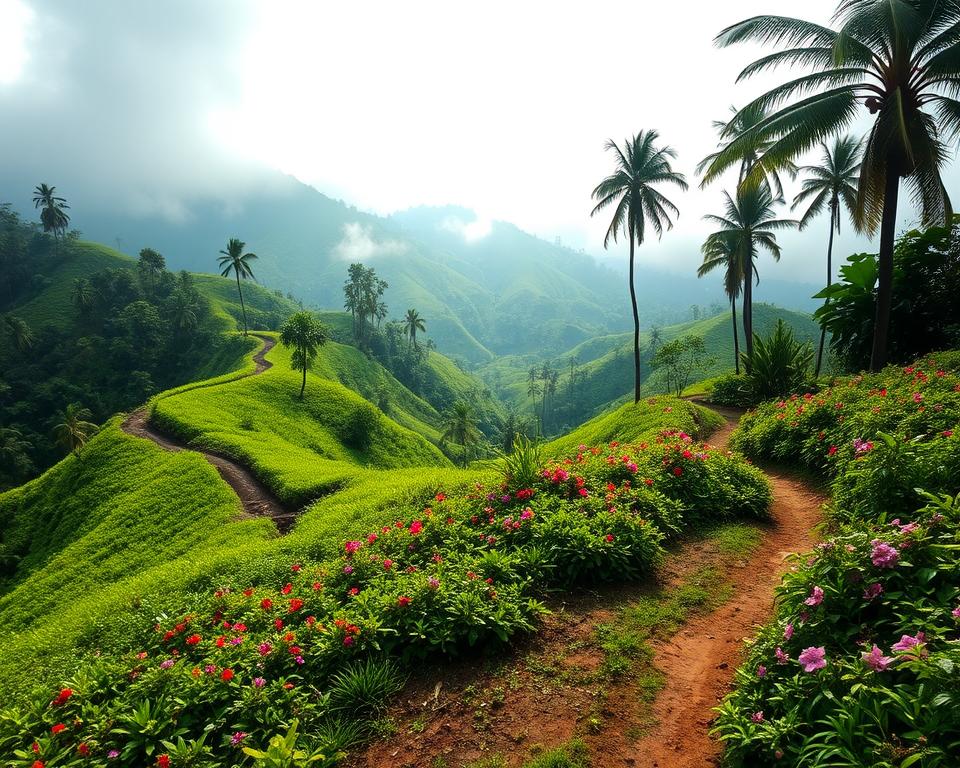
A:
734, 390
779, 365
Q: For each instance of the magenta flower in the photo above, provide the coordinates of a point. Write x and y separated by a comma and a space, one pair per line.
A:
237, 738
210, 669
862, 446
264, 649
956, 612
433, 583
883, 555
782, 658
816, 597
911, 643
757, 717
113, 754
875, 659
908, 528
874, 590
259, 682
813, 658
788, 632
351, 546
166, 664
761, 671
348, 569
299, 660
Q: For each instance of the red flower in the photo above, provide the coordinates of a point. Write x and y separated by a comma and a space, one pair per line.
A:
609, 538
62, 697
296, 567
831, 450
677, 471
226, 675
317, 586
296, 604
266, 603
83, 749
38, 764
278, 623
441, 497
163, 761
415, 527
647, 481
193, 639
58, 728
221, 641
403, 601
248, 592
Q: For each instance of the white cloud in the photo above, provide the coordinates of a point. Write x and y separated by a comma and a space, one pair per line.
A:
470, 231
358, 244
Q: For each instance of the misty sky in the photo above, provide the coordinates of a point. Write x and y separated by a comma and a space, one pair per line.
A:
499, 106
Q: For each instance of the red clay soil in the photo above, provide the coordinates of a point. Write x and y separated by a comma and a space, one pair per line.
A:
254, 496
543, 693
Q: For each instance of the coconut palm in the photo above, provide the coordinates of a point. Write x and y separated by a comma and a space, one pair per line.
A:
828, 184
413, 323
460, 427
722, 253
20, 332
306, 334
235, 260
74, 430
749, 225
53, 214
896, 58
640, 166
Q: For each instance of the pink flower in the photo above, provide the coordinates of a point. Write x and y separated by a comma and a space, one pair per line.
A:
259, 682
876, 660
584, 492
387, 564
351, 547
862, 446
874, 590
415, 527
433, 583
908, 528
883, 555
788, 632
166, 664
264, 649
237, 738
813, 658
956, 612
761, 671
757, 717
348, 641
911, 643
348, 569
782, 658
816, 597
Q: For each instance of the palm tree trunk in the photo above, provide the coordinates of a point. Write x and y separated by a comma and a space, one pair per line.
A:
888, 225
636, 330
242, 307
748, 312
736, 337
303, 384
823, 330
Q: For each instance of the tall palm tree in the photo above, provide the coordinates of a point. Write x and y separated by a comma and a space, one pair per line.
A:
20, 332
235, 260
533, 392
306, 334
749, 225
413, 323
722, 253
829, 184
460, 427
74, 430
640, 165
741, 121
53, 214
896, 58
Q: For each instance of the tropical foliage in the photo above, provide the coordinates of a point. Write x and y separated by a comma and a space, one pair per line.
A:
233, 259
53, 210
306, 334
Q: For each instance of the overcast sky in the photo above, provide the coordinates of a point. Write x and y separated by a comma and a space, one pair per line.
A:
499, 106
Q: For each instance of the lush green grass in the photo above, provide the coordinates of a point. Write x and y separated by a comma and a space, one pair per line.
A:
265, 309
637, 423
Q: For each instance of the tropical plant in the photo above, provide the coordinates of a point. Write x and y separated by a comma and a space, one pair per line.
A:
721, 253
460, 427
73, 430
413, 323
364, 688
19, 332
233, 259
363, 292
522, 463
830, 184
678, 359
306, 334
82, 296
53, 215
749, 224
640, 167
779, 364
896, 58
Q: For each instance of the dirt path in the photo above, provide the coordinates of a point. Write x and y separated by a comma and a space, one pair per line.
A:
256, 499
551, 687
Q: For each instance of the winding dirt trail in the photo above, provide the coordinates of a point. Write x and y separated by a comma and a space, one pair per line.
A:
257, 501
698, 663
541, 693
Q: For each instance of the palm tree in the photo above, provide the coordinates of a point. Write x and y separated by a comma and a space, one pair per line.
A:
533, 392
20, 332
306, 334
53, 214
83, 295
74, 430
896, 58
721, 252
749, 224
413, 323
640, 165
460, 427
235, 260
832, 182
741, 121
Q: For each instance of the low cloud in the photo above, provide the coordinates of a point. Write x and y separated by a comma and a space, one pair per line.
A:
359, 244
470, 231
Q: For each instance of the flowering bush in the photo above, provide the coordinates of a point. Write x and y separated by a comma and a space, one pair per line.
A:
876, 436
218, 683
860, 666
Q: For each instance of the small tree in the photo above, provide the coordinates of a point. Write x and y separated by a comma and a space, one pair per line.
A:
460, 427
679, 359
74, 430
306, 334
233, 259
